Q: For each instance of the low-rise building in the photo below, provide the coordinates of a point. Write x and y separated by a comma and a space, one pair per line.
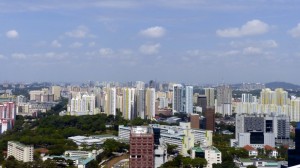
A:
251, 151
210, 154
272, 152
20, 151
259, 163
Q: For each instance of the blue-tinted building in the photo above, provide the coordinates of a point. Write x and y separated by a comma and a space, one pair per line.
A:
294, 154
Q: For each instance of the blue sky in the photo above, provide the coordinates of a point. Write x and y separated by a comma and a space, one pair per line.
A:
192, 41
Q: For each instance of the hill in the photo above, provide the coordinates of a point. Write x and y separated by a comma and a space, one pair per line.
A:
283, 85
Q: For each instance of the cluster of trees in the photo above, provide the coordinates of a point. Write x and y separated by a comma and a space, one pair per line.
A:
185, 162
111, 145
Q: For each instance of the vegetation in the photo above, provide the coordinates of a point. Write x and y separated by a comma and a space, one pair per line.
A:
186, 162
111, 145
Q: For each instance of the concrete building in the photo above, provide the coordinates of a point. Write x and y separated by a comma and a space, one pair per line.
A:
224, 98
128, 103
141, 147
211, 154
260, 130
82, 104
177, 101
188, 106
20, 151
210, 96
110, 101
195, 121
55, 90
160, 153
150, 103
210, 119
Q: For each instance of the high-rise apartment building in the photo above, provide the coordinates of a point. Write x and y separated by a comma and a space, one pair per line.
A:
20, 151
7, 116
111, 101
140, 101
210, 119
210, 95
202, 102
224, 98
195, 121
141, 147
55, 90
182, 99
128, 103
150, 103
82, 104
177, 104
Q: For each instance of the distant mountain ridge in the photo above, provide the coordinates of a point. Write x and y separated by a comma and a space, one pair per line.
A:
283, 85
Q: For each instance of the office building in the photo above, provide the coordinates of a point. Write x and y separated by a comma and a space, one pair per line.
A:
188, 99
210, 96
259, 130
141, 147
20, 151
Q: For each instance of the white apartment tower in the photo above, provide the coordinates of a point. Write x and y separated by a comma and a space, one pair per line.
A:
150, 103
111, 100
20, 151
188, 99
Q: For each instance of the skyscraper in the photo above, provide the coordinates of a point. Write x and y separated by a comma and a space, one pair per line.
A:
141, 147
128, 103
140, 101
150, 103
177, 103
224, 96
55, 90
188, 99
210, 96
110, 103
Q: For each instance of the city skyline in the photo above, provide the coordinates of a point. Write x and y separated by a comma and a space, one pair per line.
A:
129, 40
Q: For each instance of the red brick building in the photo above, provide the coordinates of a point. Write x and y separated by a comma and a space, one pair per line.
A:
141, 147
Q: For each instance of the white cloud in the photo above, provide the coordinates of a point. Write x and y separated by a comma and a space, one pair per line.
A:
92, 44
76, 45
252, 51
295, 32
253, 27
270, 44
106, 52
149, 49
153, 32
19, 56
79, 32
56, 44
261, 44
2, 57
12, 34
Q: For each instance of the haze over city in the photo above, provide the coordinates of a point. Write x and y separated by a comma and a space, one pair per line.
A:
196, 41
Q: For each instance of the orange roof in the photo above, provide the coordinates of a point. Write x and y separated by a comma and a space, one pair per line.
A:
268, 147
249, 148
42, 150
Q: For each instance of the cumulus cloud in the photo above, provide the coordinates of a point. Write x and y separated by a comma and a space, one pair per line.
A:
253, 27
12, 34
295, 32
76, 45
92, 44
153, 32
56, 44
79, 32
149, 49
247, 43
20, 56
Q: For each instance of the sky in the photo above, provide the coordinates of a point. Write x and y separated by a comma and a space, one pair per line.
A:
191, 41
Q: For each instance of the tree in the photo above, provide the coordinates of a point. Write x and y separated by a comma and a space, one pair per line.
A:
171, 148
251, 166
198, 162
